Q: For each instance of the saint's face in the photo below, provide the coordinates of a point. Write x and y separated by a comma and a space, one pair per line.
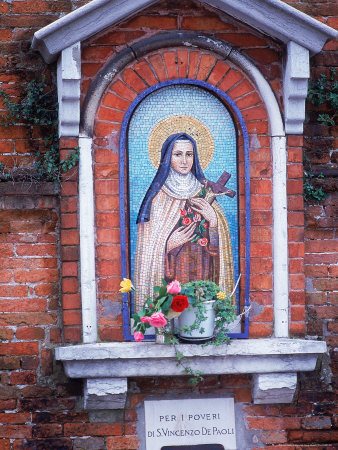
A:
182, 157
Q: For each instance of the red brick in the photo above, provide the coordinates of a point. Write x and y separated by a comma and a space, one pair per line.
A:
118, 37
133, 80
30, 333
111, 236
47, 430
205, 23
72, 334
153, 22
194, 58
265, 56
170, 64
260, 265
274, 437
105, 220
19, 348
111, 284
295, 141
17, 417
70, 237
107, 268
218, 72
248, 100
296, 219
295, 171
144, 71
107, 203
274, 423
90, 69
108, 251
295, 155
96, 53
254, 113
23, 378
258, 282
106, 171
158, 66
182, 63
92, 429
232, 77
109, 187
261, 202
296, 265
72, 317
111, 115
321, 246
296, 249
70, 285
122, 90
122, 443
205, 66
47, 359
55, 335
297, 313
13, 291
257, 330
16, 431
29, 318
36, 276
297, 329
316, 271
113, 101
111, 334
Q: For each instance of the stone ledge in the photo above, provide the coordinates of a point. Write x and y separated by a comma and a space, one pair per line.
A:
280, 359
32, 188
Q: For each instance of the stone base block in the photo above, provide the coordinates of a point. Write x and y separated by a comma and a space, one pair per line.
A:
274, 387
105, 393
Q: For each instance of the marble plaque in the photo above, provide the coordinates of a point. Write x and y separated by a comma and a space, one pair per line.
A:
190, 422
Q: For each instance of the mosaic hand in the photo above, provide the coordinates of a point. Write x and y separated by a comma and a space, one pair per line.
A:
181, 236
202, 207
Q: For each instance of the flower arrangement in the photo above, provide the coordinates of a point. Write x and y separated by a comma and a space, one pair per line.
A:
170, 300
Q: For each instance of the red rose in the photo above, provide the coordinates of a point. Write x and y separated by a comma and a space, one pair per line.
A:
205, 224
183, 212
179, 303
186, 221
203, 242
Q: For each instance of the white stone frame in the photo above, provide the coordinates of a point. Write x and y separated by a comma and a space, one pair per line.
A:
274, 361
100, 364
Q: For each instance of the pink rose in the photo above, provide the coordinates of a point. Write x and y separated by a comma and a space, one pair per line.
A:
158, 320
197, 217
174, 287
138, 336
186, 221
145, 319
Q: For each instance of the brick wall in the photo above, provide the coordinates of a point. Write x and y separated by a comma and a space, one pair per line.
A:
40, 407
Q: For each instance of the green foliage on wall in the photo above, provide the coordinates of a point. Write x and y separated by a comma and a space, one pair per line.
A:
37, 107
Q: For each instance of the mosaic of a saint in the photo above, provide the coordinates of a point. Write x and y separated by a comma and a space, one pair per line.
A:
182, 231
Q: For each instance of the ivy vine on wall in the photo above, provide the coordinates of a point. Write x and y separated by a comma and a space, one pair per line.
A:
322, 92
38, 107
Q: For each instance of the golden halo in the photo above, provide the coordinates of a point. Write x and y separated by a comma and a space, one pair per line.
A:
181, 124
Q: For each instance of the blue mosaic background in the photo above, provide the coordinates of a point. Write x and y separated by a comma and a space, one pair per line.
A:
201, 104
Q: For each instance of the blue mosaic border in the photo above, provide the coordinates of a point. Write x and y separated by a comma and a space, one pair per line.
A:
122, 195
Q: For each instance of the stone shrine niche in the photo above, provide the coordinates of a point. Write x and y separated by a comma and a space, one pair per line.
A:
199, 111
116, 92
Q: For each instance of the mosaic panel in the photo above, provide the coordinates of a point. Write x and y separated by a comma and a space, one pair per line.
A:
163, 200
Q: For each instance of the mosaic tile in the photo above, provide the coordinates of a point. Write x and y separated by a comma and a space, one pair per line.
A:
174, 109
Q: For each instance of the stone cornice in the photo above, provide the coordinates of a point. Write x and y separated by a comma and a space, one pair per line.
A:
272, 17
106, 366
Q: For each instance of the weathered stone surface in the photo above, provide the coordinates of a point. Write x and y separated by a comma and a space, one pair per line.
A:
274, 387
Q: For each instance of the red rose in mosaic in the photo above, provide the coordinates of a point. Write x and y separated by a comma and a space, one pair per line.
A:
203, 242
179, 303
183, 212
186, 221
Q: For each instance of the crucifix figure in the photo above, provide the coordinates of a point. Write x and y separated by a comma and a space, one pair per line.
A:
217, 189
